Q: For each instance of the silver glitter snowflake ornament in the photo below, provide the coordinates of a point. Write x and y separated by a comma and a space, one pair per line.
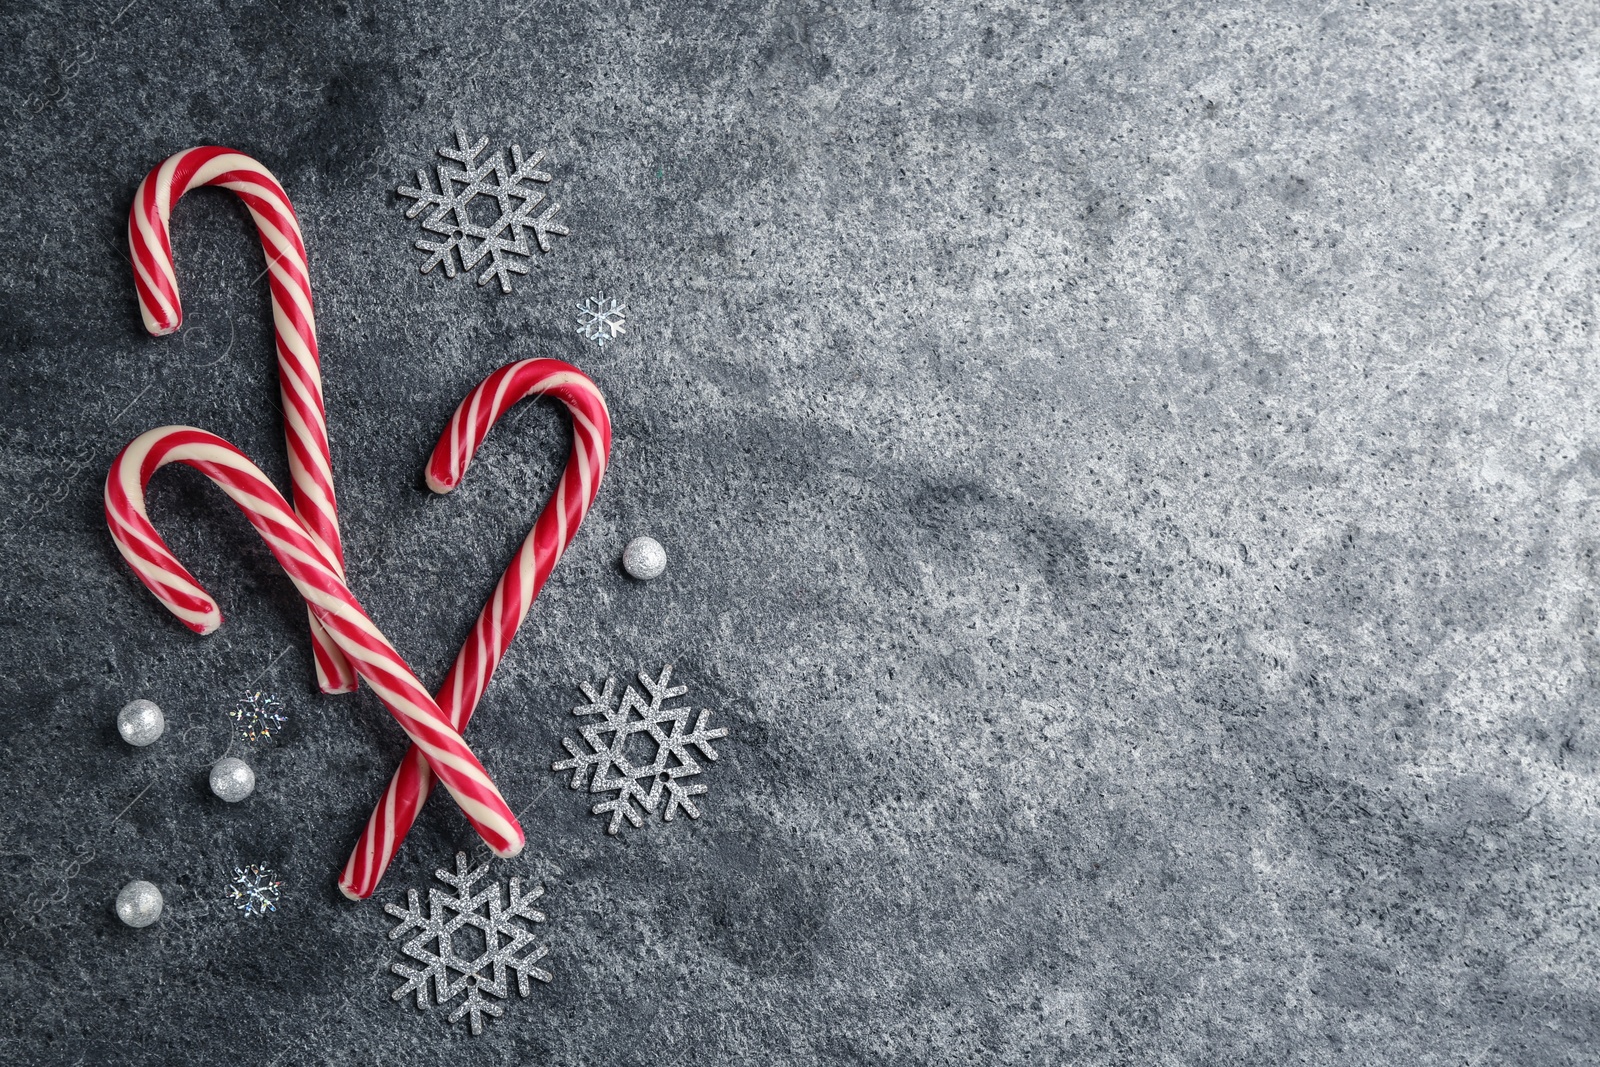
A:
496, 226
599, 322
257, 716
640, 751
487, 917
255, 889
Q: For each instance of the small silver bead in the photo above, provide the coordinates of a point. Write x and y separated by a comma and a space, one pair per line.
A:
232, 779
140, 722
139, 904
644, 558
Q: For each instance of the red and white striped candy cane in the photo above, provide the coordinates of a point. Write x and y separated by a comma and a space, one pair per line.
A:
300, 380
498, 621
318, 581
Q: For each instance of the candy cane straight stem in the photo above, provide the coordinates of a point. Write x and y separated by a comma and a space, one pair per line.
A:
318, 581
498, 621
300, 379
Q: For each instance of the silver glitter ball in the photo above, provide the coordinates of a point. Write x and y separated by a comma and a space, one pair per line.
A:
232, 779
140, 722
644, 558
139, 904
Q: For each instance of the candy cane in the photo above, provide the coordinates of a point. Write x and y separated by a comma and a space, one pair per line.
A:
318, 581
300, 381
498, 621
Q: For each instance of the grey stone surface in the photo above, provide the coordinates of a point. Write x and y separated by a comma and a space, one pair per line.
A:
1129, 476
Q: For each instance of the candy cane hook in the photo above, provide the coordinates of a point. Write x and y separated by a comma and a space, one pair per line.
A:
505, 610
317, 579
299, 377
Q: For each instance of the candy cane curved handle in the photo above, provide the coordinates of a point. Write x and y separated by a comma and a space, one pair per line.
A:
498, 621
299, 375
318, 581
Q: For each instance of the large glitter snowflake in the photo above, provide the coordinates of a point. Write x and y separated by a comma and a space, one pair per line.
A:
640, 751
448, 938
496, 226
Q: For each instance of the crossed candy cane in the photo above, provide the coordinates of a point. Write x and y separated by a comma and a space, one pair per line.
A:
437, 748
508, 605
311, 555
317, 580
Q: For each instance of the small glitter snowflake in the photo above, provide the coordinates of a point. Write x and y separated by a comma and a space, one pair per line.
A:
258, 716
496, 226
491, 940
601, 323
649, 746
255, 889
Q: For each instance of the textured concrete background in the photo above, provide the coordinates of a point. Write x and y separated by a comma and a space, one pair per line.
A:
1129, 477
